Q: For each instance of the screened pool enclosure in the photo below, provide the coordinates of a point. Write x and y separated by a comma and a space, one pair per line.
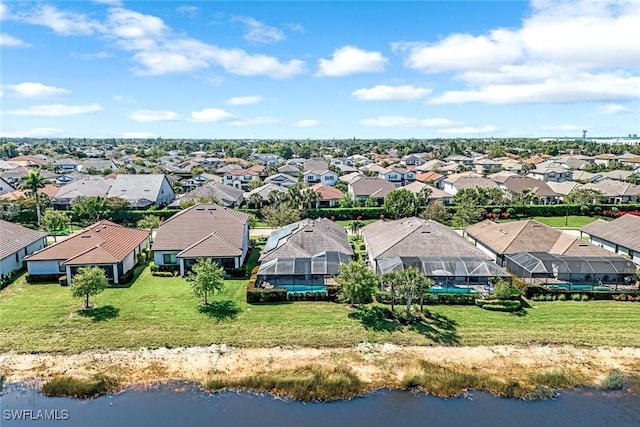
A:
307, 271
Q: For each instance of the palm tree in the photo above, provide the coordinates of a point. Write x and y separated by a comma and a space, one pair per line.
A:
310, 198
256, 200
32, 182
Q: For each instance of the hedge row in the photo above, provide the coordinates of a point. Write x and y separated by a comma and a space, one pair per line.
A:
257, 295
499, 304
384, 297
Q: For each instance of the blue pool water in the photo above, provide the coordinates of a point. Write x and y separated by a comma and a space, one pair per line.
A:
451, 290
582, 287
296, 289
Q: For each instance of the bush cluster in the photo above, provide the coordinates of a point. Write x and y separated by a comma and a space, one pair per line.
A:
499, 304
257, 295
42, 278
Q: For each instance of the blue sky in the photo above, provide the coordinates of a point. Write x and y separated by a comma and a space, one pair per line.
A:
323, 69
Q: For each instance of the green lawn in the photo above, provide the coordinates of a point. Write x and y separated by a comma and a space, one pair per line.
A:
572, 221
158, 311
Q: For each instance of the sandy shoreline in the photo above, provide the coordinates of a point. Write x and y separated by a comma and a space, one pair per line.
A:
378, 365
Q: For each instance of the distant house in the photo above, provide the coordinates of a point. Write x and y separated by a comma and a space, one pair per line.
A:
112, 247
460, 159
5, 187
620, 236
615, 191
66, 165
198, 180
316, 176
17, 242
240, 178
308, 252
15, 175
432, 178
93, 186
398, 176
142, 191
289, 170
228, 196
314, 164
282, 179
365, 187
539, 189
551, 173
412, 160
435, 249
329, 196
456, 182
203, 231
430, 165
267, 159
264, 191
435, 193
97, 165
487, 166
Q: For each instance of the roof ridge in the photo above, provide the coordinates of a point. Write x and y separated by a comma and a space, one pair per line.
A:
208, 236
89, 250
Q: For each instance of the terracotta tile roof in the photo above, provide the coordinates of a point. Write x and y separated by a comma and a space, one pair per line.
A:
202, 222
102, 243
428, 176
14, 237
327, 192
49, 190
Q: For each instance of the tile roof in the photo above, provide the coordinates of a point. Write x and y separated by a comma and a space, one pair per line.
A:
86, 187
137, 187
265, 190
529, 236
307, 238
227, 194
519, 183
429, 176
14, 237
416, 237
202, 227
623, 231
613, 188
101, 243
327, 192
373, 187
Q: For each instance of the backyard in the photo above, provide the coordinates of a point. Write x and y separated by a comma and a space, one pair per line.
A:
160, 311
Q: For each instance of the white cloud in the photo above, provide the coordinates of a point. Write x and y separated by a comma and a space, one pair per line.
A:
63, 23
562, 89
159, 63
391, 93
214, 115
349, 60
129, 24
109, 2
4, 12
259, 32
306, 123
251, 121
91, 56
461, 52
31, 133
244, 100
57, 110
468, 130
9, 41
145, 116
139, 135
35, 90
562, 127
612, 109
188, 10
406, 122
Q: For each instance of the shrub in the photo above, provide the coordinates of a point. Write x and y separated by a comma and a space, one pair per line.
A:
562, 297
549, 297
127, 277
162, 274
584, 297
62, 280
615, 380
499, 305
576, 297
42, 278
76, 387
257, 295
505, 290
154, 267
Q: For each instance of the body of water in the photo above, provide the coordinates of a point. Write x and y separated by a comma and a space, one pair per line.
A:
186, 405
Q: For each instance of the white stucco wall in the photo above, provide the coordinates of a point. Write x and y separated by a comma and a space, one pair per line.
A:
158, 256
128, 263
44, 267
166, 194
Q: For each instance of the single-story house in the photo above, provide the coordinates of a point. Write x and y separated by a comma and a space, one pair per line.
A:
112, 247
17, 242
307, 252
203, 231
93, 186
282, 179
620, 236
227, 195
365, 187
329, 196
142, 191
435, 249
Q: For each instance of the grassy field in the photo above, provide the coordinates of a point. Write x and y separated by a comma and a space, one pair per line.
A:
159, 311
572, 221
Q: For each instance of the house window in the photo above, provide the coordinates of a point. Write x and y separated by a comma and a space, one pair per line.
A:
17, 257
61, 267
169, 259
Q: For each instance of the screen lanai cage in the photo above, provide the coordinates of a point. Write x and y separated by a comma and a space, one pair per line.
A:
544, 268
312, 270
446, 271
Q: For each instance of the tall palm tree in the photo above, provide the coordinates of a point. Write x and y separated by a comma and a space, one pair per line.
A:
32, 182
255, 200
310, 198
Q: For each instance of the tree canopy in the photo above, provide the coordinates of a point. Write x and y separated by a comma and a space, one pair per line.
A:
206, 277
357, 283
400, 203
88, 281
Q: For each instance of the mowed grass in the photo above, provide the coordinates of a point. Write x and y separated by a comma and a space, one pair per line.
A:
158, 311
572, 221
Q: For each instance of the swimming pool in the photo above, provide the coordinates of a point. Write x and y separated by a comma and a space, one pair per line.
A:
581, 287
451, 290
302, 289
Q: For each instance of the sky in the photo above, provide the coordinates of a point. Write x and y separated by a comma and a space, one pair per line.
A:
319, 69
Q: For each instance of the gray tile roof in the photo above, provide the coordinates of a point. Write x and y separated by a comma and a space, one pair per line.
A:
623, 231
137, 187
86, 187
227, 194
14, 237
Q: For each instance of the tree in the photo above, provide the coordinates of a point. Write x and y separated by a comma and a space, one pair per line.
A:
371, 202
278, 197
32, 182
280, 214
149, 222
411, 283
255, 200
400, 203
310, 198
389, 281
495, 150
466, 214
357, 283
206, 277
87, 282
255, 183
55, 221
356, 225
347, 201
584, 196
92, 208
422, 198
435, 211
